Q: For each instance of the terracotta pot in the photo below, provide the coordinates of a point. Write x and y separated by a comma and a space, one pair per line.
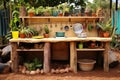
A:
29, 35
22, 35
106, 34
46, 35
92, 45
86, 13
100, 33
94, 14
31, 14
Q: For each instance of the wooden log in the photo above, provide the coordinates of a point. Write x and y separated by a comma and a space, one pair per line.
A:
47, 56
106, 57
73, 57
14, 57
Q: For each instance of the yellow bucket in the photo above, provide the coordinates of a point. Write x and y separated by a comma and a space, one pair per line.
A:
15, 34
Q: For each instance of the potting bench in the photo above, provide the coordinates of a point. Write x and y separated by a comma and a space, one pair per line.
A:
73, 50
56, 24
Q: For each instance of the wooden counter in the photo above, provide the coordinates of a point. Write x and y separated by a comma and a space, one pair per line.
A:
73, 50
68, 39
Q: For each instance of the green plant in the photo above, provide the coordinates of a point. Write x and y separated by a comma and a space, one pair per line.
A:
46, 29
14, 22
39, 10
32, 9
33, 65
30, 32
106, 26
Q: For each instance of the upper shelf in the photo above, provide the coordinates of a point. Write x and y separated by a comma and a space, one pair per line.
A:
64, 18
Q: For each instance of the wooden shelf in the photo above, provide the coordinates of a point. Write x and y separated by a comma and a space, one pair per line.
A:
63, 18
72, 17
90, 49
30, 50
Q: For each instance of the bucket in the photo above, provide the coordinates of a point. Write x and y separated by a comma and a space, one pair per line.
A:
15, 34
86, 64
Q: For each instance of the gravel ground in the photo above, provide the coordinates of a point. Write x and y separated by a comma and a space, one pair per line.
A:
97, 74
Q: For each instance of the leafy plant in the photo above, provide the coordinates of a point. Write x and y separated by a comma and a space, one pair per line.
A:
39, 10
31, 10
14, 22
33, 65
46, 29
30, 32
106, 26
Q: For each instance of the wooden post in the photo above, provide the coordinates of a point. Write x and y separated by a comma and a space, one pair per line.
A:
14, 57
73, 57
106, 57
47, 56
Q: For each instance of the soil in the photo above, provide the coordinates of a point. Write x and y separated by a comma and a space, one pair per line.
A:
96, 74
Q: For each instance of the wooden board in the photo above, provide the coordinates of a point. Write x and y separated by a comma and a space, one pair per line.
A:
60, 51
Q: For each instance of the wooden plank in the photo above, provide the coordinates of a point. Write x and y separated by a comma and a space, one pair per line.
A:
52, 17
73, 57
14, 57
68, 39
47, 56
106, 57
30, 50
90, 49
59, 19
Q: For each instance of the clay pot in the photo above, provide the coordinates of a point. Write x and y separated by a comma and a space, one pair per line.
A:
92, 45
94, 14
31, 14
22, 35
46, 35
106, 34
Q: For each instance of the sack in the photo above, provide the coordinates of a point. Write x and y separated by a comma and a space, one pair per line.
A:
6, 50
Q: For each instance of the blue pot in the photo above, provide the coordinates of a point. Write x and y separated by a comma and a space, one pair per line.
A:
60, 34
55, 13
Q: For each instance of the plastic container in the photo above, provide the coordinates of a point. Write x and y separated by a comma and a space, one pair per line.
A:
15, 34
86, 64
60, 34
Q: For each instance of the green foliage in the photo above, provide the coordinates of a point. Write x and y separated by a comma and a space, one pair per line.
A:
32, 9
14, 23
33, 65
29, 31
46, 29
106, 26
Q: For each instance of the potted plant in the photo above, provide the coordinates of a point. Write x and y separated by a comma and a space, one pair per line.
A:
106, 27
23, 32
14, 24
31, 32
31, 12
47, 31
55, 11
47, 11
39, 11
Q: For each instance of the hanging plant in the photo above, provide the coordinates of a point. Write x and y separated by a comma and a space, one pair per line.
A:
90, 27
